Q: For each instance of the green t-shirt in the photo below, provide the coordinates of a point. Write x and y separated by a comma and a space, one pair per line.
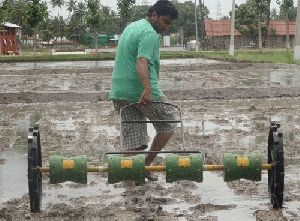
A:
139, 39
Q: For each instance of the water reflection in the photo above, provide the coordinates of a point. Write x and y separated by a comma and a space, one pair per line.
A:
13, 174
210, 126
92, 64
284, 78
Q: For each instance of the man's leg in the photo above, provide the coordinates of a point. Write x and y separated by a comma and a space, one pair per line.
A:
134, 135
159, 142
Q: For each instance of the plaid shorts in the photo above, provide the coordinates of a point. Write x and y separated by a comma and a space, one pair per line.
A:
135, 134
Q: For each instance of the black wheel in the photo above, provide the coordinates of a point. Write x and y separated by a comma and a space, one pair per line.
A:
34, 162
276, 157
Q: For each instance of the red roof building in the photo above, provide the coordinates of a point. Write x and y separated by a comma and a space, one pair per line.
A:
222, 28
8, 40
218, 28
280, 27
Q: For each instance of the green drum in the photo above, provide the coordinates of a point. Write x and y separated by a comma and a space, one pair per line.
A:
68, 169
184, 167
237, 167
126, 168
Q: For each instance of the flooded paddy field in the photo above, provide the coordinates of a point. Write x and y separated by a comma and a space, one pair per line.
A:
226, 107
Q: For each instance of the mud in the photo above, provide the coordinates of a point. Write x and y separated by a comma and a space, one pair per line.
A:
226, 107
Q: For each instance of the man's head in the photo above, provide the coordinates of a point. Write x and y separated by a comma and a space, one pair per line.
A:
161, 15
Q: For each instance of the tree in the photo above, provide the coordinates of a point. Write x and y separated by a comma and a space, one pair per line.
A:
285, 9
58, 27
124, 9
225, 17
16, 12
110, 22
77, 23
95, 18
185, 24
5, 10
274, 14
268, 13
249, 19
262, 6
58, 3
71, 6
36, 13
138, 12
45, 31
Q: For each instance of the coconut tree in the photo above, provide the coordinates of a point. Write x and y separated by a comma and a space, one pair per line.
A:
77, 21
124, 8
71, 6
95, 18
59, 4
36, 13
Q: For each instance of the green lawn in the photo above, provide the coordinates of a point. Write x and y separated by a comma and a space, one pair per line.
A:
269, 56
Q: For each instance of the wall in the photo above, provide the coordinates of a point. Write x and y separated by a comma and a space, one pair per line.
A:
222, 42
8, 40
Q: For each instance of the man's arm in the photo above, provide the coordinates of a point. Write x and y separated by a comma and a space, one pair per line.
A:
142, 70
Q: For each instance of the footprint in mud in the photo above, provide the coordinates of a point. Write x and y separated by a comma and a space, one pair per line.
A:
201, 209
211, 207
76, 185
60, 196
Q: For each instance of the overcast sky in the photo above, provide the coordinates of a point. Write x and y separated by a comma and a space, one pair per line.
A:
225, 5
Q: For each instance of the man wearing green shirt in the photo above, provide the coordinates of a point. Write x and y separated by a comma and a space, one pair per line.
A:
135, 80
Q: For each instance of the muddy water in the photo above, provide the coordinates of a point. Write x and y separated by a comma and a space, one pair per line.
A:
72, 125
13, 174
215, 191
84, 128
91, 64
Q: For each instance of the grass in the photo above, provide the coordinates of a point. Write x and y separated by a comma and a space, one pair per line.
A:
266, 56
48, 57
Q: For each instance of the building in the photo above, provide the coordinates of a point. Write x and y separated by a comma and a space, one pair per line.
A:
218, 35
8, 38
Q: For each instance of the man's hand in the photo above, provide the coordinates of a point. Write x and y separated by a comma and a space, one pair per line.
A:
145, 98
142, 70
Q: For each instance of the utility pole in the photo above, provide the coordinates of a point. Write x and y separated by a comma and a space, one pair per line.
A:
202, 28
297, 37
231, 46
196, 26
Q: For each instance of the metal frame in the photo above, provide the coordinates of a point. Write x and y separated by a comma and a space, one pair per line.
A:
153, 121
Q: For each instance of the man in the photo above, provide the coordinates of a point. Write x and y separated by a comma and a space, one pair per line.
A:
135, 79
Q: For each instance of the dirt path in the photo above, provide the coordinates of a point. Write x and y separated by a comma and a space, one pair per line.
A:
226, 107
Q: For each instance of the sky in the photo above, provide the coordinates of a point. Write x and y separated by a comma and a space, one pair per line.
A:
225, 5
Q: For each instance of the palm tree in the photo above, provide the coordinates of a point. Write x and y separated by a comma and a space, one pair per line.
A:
71, 6
79, 15
58, 3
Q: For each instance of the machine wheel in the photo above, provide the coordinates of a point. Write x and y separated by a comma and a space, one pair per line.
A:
34, 162
276, 157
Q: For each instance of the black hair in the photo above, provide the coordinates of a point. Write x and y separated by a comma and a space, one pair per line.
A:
164, 8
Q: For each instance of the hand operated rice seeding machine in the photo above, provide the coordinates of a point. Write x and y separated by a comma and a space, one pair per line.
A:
178, 165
